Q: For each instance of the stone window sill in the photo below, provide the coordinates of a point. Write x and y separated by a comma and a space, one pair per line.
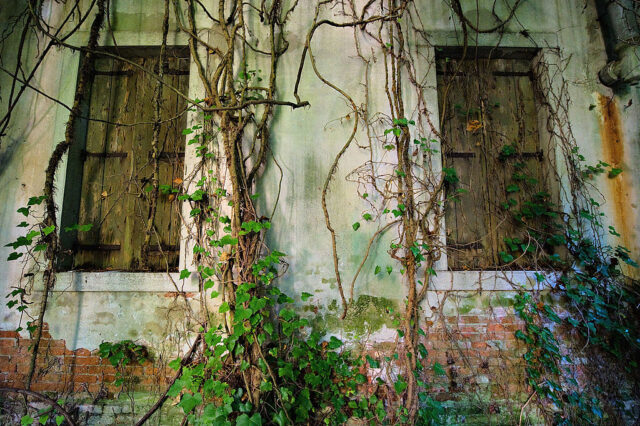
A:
117, 281
489, 281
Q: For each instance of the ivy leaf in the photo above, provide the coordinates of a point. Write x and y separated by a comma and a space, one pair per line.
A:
36, 200
389, 270
361, 378
367, 216
245, 420
227, 240
552, 315
14, 256
596, 411
24, 211
437, 368
287, 314
189, 402
185, 273
372, 362
334, 343
280, 419
268, 327
27, 420
304, 296
48, 229
266, 386
377, 271
175, 364
400, 385
356, 226
614, 172
59, 420
506, 257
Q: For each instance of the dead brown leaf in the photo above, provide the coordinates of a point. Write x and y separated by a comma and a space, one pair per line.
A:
473, 126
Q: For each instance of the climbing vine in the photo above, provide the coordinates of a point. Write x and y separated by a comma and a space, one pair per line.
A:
254, 358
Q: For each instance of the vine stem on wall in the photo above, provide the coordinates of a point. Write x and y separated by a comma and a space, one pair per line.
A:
52, 240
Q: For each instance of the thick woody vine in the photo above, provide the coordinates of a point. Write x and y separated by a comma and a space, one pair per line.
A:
253, 359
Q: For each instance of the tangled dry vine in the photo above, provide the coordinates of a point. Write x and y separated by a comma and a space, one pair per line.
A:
253, 358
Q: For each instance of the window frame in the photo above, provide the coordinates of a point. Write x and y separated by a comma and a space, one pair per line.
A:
75, 163
545, 145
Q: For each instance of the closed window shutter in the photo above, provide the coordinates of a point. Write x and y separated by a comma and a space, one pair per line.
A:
468, 239
487, 104
118, 166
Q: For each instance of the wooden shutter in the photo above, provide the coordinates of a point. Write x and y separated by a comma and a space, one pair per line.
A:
118, 166
487, 104
468, 238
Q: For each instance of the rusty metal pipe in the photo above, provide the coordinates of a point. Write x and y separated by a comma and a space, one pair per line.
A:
621, 31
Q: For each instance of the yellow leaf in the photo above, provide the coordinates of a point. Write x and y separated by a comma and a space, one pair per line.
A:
104, 194
172, 197
177, 181
473, 126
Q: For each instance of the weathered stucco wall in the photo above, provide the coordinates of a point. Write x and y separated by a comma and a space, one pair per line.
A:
88, 308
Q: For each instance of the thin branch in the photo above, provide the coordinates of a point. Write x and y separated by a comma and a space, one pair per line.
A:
44, 398
186, 360
52, 240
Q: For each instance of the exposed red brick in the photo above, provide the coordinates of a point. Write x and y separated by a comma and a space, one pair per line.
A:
90, 360
86, 378
42, 387
495, 327
8, 343
7, 364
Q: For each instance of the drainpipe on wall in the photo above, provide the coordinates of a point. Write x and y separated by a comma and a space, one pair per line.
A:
619, 23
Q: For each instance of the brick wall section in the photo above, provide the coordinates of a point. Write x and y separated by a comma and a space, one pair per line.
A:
478, 352
61, 370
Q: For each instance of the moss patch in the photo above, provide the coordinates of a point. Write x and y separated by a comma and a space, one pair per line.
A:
366, 315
